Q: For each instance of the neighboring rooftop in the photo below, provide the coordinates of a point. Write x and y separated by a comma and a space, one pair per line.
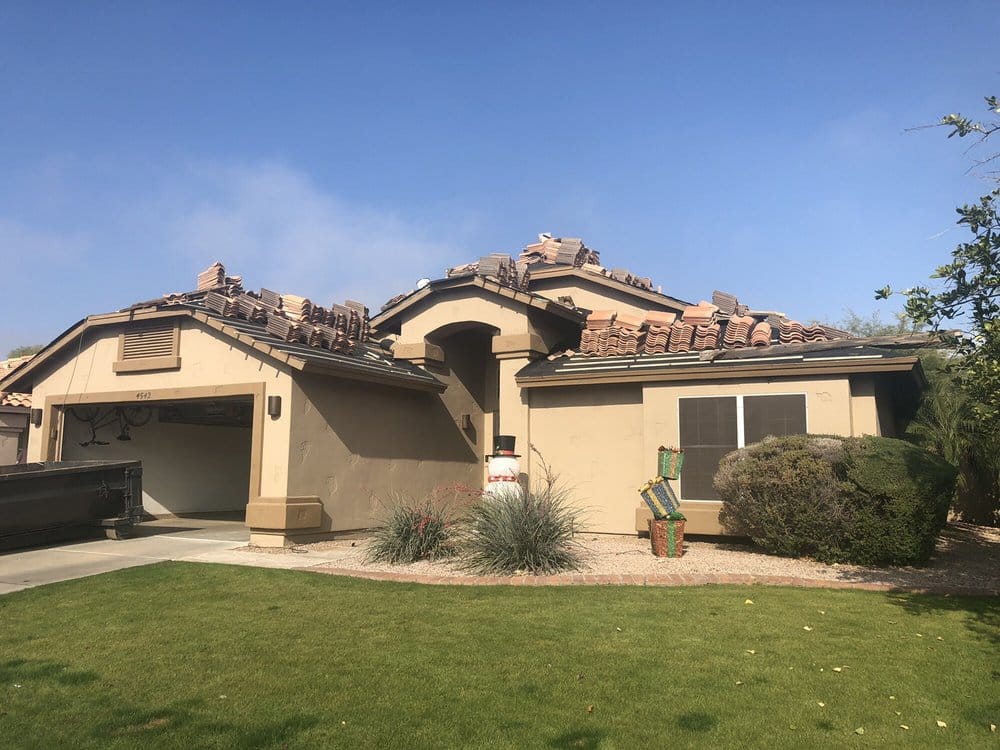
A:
8, 366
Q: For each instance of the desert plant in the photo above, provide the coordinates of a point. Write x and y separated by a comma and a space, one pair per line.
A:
413, 531
511, 532
868, 500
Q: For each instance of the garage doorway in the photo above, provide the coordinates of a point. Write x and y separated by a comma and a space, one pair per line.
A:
195, 453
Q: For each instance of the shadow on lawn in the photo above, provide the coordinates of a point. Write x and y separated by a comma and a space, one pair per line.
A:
192, 718
579, 739
23, 670
982, 614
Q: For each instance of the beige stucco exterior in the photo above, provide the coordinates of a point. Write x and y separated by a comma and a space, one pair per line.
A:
342, 447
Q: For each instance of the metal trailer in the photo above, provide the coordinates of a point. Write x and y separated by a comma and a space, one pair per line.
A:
42, 503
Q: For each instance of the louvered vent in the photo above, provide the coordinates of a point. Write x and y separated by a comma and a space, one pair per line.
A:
154, 341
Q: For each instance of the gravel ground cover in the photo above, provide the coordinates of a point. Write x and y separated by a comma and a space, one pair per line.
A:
967, 557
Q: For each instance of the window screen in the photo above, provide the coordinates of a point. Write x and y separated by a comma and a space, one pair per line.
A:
708, 432
773, 415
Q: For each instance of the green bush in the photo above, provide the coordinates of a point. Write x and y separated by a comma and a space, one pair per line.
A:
508, 533
413, 531
866, 500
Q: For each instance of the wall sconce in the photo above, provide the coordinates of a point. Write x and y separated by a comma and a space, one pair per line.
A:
36, 417
274, 406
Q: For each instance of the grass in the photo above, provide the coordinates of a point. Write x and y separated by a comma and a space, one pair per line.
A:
187, 655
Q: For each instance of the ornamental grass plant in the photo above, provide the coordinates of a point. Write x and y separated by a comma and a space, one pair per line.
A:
413, 530
511, 532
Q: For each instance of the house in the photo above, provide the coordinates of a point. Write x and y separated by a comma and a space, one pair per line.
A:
14, 410
306, 418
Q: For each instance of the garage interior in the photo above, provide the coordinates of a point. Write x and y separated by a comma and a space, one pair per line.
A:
195, 453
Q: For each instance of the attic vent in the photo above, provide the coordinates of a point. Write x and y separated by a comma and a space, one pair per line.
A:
150, 347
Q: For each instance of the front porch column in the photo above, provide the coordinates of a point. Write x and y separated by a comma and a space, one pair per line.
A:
514, 352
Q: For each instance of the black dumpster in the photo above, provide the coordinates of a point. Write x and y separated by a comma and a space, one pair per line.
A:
52, 501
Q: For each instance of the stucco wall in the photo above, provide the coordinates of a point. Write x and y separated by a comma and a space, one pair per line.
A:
592, 438
185, 468
208, 360
354, 444
603, 440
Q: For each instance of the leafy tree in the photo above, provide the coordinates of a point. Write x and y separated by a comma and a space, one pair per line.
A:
24, 351
874, 325
970, 288
959, 417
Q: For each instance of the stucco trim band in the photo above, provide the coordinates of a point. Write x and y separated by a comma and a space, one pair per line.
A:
284, 513
719, 371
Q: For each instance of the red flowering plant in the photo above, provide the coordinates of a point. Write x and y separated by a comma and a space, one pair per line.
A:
413, 530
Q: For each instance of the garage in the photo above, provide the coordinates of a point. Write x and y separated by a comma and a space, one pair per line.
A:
195, 453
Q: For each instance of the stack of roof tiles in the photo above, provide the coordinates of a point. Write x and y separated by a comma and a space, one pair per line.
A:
737, 333
571, 251
499, 267
289, 317
609, 334
657, 332
9, 398
793, 332
721, 324
215, 276
563, 251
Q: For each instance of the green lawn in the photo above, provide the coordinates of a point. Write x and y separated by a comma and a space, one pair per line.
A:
186, 655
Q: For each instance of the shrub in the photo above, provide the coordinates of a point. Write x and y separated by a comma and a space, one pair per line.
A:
900, 496
509, 533
413, 531
867, 500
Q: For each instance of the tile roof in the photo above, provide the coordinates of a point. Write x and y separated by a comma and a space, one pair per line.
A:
693, 365
718, 325
549, 254
308, 337
7, 366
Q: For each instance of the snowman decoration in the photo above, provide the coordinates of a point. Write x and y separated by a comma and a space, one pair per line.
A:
504, 472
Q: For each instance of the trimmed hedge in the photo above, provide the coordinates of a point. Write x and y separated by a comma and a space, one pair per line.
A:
868, 500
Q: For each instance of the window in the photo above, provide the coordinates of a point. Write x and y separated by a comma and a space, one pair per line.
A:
713, 426
149, 347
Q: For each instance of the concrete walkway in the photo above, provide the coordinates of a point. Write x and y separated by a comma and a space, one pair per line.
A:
186, 539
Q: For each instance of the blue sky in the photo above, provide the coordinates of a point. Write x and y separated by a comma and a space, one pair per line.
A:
346, 150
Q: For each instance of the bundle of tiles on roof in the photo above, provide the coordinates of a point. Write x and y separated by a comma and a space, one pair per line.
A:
289, 317
737, 333
220, 303
660, 319
497, 266
9, 398
295, 307
393, 301
793, 332
212, 277
761, 334
600, 319
657, 339
565, 251
706, 337
701, 314
627, 277
681, 337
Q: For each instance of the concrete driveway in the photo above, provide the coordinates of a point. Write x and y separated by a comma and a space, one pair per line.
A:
185, 539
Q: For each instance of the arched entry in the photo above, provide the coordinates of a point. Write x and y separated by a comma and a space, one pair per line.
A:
472, 374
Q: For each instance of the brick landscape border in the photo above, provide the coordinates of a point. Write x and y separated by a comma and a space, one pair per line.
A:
659, 579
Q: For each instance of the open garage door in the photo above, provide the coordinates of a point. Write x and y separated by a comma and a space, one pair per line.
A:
195, 453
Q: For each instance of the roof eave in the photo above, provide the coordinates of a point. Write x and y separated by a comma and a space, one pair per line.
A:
722, 372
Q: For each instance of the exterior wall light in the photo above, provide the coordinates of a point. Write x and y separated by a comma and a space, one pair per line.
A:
36, 417
274, 406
